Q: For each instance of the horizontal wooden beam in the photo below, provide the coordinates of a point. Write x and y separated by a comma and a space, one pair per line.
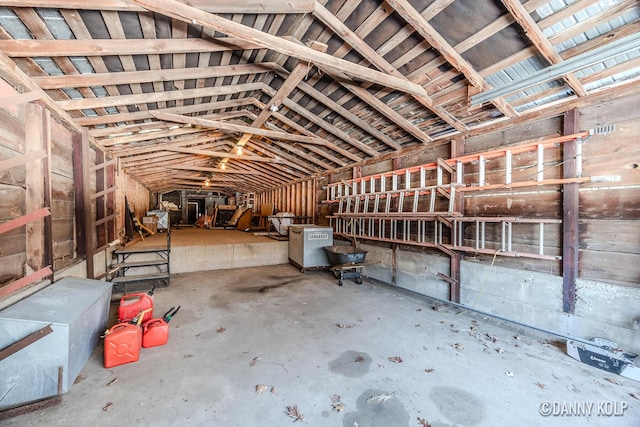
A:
30, 48
131, 77
22, 159
220, 154
210, 169
218, 6
216, 124
152, 97
19, 98
143, 115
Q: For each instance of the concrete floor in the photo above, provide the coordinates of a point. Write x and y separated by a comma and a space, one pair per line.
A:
249, 343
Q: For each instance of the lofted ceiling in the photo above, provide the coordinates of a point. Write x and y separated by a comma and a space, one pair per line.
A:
247, 95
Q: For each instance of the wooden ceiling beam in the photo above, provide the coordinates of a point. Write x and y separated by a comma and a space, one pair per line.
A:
540, 41
194, 16
216, 124
340, 29
422, 27
187, 109
147, 136
211, 169
296, 108
290, 83
290, 160
129, 77
388, 112
221, 154
331, 146
149, 98
218, 6
10, 72
29, 48
348, 115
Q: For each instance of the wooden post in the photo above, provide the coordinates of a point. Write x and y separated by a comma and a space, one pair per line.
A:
111, 208
35, 139
84, 222
100, 202
46, 166
570, 216
457, 150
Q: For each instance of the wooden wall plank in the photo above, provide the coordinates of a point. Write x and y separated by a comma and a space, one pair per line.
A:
35, 196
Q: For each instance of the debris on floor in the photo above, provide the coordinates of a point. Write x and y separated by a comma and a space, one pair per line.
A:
293, 412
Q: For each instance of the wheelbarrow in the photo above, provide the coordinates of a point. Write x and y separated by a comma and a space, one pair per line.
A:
347, 262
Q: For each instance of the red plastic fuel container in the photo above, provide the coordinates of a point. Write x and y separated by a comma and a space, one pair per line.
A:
155, 332
132, 304
122, 344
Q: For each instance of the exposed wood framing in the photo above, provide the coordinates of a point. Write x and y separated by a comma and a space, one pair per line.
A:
194, 16
570, 216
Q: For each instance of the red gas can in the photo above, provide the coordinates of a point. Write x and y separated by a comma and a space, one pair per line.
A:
132, 304
122, 344
155, 332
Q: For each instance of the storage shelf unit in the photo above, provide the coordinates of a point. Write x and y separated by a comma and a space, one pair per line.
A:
154, 267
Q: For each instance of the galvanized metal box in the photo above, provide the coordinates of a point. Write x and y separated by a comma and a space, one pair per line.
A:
77, 310
306, 243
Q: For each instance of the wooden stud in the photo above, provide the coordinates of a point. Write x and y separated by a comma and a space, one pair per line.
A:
570, 217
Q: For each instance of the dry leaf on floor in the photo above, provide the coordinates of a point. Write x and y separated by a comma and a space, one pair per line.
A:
423, 422
395, 359
113, 381
340, 325
293, 412
359, 359
635, 395
335, 398
418, 309
509, 373
499, 350
458, 346
220, 330
261, 388
539, 384
105, 407
612, 381
379, 398
338, 407
255, 360
273, 389
491, 337
455, 330
429, 370
417, 325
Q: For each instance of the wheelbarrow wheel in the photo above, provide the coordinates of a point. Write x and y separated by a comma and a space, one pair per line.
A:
359, 280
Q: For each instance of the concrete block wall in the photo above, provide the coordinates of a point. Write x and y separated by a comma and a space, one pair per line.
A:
602, 309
